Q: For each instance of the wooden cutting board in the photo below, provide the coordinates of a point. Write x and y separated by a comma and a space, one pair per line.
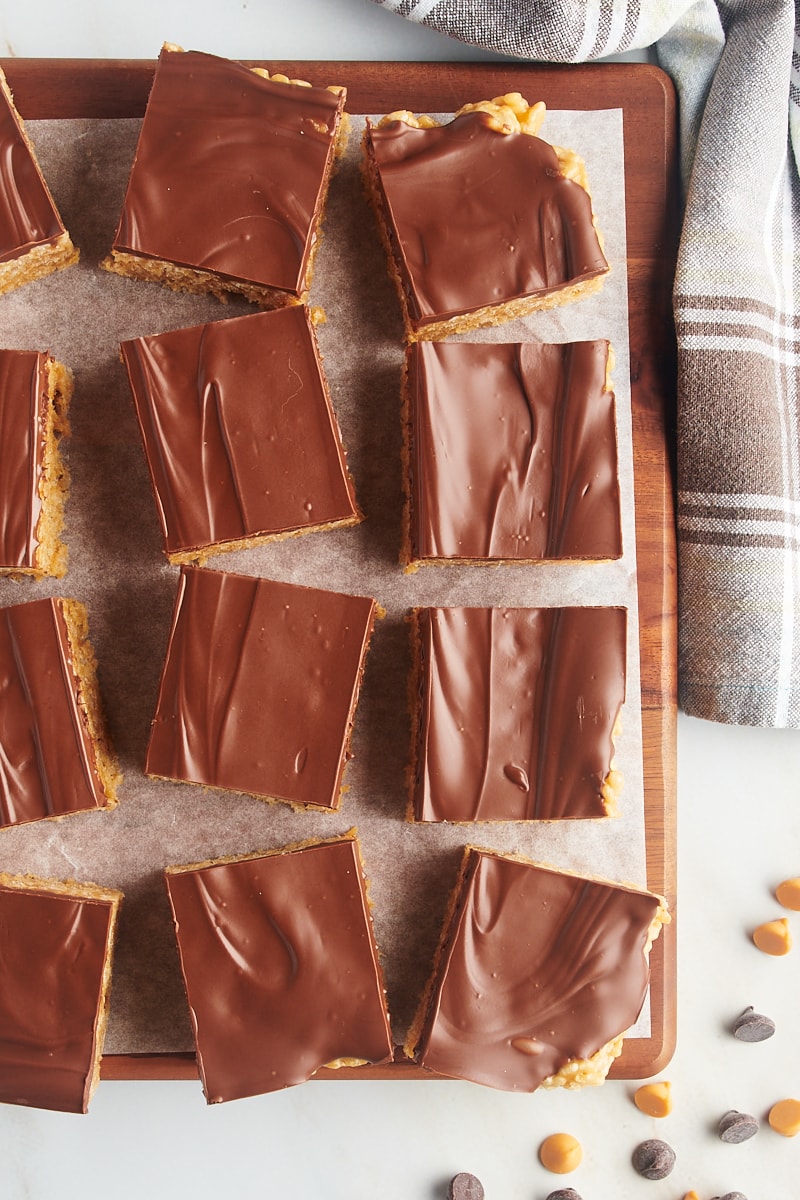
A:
53, 89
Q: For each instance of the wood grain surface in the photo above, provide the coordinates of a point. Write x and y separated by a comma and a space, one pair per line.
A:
52, 89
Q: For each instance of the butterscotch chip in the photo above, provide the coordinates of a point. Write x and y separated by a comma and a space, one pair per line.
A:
655, 1099
788, 894
784, 1117
560, 1153
773, 937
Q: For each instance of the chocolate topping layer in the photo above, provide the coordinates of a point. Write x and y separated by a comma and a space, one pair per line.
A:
480, 217
240, 437
23, 409
28, 217
47, 760
517, 710
280, 966
259, 687
512, 452
52, 960
538, 969
229, 171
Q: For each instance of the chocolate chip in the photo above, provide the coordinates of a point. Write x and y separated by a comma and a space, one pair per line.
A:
737, 1127
465, 1187
653, 1159
731, 1196
564, 1194
753, 1027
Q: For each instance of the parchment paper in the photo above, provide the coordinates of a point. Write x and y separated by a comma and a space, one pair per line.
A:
118, 569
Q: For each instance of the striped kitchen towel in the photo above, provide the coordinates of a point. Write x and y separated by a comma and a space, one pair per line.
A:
736, 67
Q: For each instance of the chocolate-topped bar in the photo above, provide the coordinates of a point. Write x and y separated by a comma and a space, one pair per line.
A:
482, 220
35, 393
538, 976
511, 452
259, 687
55, 754
56, 945
241, 441
280, 966
516, 710
33, 240
229, 180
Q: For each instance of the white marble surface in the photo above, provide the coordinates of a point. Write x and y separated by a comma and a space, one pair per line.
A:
739, 835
